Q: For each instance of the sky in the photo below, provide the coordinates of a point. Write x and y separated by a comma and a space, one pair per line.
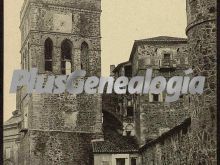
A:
122, 22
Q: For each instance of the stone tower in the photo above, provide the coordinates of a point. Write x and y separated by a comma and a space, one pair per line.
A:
201, 32
58, 37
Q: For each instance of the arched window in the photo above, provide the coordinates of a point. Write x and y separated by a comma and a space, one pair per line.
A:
85, 56
66, 54
48, 53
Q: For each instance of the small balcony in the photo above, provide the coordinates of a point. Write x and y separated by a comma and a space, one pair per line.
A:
167, 64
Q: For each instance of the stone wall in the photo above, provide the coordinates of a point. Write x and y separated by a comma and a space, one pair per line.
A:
24, 150
197, 144
172, 147
11, 141
149, 54
201, 33
59, 128
110, 104
61, 148
94, 5
41, 23
153, 118
67, 121
121, 104
36, 52
65, 112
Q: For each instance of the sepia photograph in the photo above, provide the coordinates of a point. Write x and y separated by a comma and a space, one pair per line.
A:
110, 82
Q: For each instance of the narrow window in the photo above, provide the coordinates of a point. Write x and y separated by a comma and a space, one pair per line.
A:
186, 61
120, 161
130, 111
128, 71
84, 56
48, 52
128, 133
133, 161
166, 60
155, 97
66, 56
118, 109
166, 56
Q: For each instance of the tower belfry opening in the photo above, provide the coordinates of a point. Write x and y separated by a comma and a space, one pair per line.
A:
66, 57
48, 52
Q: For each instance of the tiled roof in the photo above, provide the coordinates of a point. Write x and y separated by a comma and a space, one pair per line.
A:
15, 119
162, 38
159, 39
115, 143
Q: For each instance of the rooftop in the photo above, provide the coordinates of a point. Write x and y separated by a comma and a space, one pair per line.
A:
115, 143
15, 119
163, 39
159, 39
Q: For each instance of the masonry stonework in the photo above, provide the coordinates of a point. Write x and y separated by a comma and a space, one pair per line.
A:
105, 129
52, 121
175, 141
197, 145
154, 117
201, 32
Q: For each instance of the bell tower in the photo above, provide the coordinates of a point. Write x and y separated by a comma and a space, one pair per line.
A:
58, 37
